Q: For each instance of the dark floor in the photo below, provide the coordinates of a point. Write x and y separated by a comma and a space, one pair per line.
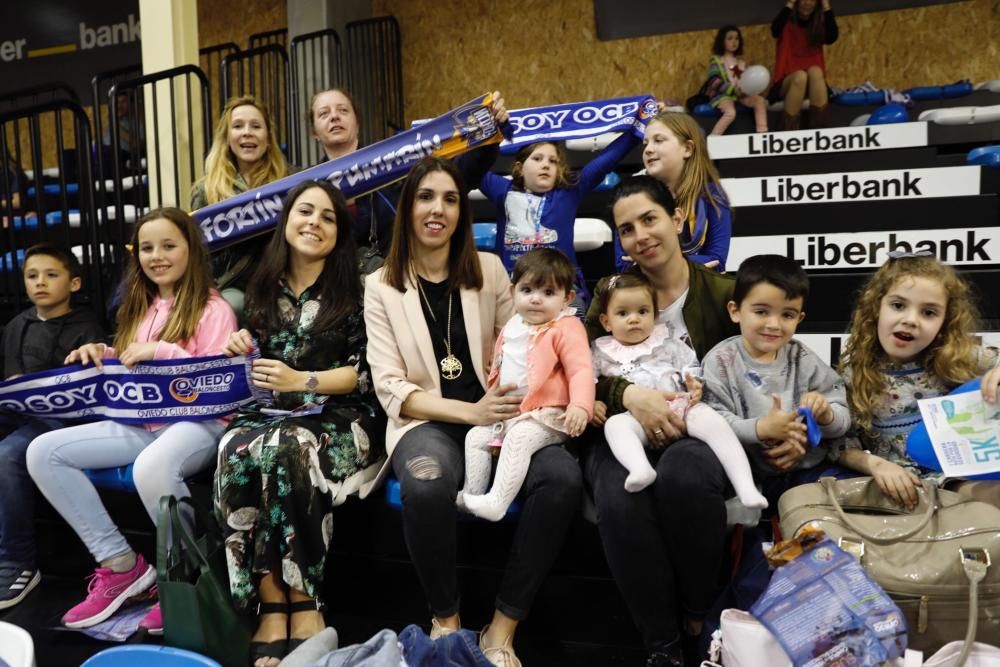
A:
578, 619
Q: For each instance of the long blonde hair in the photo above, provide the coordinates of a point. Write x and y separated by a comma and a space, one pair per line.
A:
191, 291
219, 181
951, 356
698, 171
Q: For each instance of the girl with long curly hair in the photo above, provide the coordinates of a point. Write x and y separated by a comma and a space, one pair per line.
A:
923, 345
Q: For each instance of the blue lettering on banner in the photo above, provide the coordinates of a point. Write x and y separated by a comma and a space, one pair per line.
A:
168, 390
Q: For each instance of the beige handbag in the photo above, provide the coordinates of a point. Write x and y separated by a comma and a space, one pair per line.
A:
933, 561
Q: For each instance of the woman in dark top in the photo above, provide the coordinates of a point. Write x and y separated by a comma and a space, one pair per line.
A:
433, 313
280, 472
802, 27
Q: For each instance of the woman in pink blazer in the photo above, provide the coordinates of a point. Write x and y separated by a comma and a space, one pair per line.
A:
432, 314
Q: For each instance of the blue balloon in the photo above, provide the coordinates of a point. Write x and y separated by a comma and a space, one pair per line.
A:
889, 113
920, 449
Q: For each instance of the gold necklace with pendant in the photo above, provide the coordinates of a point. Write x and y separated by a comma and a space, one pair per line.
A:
451, 367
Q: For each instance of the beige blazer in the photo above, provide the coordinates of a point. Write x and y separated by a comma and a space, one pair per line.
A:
400, 351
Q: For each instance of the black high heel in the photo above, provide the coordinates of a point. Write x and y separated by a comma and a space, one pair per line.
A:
295, 607
274, 649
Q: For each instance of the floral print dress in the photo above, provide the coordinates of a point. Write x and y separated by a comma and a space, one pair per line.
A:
279, 477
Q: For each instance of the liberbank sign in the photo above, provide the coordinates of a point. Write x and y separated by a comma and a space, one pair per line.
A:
809, 142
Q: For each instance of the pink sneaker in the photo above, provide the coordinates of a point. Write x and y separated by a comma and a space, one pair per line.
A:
107, 591
152, 622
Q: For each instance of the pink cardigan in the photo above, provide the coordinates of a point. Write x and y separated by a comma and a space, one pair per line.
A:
560, 371
213, 331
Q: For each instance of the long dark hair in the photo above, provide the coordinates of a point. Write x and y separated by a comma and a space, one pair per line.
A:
816, 25
339, 284
719, 47
463, 260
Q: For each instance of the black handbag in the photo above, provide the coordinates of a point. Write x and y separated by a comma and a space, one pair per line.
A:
370, 257
192, 580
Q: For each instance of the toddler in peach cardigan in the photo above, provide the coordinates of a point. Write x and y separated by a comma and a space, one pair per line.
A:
543, 351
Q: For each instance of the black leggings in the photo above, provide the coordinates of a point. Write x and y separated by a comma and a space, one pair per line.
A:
429, 462
665, 545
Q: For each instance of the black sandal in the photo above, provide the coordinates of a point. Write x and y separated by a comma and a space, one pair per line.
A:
295, 607
274, 649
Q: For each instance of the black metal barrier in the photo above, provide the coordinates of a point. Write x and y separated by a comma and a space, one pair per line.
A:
279, 37
317, 64
128, 190
263, 73
374, 56
210, 58
55, 208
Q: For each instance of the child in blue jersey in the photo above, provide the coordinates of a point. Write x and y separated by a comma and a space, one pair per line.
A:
537, 207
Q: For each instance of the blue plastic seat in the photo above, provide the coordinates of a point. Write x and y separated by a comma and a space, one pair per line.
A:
53, 189
114, 479
394, 500
148, 656
986, 156
860, 98
485, 234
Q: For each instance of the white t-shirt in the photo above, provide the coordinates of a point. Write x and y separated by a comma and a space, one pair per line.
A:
674, 319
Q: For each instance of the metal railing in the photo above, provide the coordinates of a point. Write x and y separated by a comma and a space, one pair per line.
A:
374, 57
210, 58
57, 205
279, 37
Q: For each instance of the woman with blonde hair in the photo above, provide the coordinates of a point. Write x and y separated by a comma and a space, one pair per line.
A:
244, 155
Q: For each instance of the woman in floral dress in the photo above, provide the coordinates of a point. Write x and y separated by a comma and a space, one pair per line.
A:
283, 467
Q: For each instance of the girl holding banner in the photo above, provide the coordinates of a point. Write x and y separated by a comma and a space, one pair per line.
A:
169, 310
537, 206
433, 313
281, 469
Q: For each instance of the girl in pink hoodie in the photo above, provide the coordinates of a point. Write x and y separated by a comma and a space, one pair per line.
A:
170, 310
543, 354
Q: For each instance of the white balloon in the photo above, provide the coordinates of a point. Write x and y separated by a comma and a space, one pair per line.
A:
754, 80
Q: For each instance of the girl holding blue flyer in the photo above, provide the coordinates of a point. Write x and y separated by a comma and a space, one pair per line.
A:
537, 207
169, 310
923, 345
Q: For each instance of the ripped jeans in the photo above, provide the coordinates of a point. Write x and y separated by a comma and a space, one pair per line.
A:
429, 462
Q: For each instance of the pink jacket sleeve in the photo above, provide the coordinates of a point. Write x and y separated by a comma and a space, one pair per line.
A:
573, 350
216, 325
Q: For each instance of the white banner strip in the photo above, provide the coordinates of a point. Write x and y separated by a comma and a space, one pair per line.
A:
811, 142
855, 186
958, 247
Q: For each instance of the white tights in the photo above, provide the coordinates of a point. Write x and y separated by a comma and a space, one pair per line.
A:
628, 443
521, 439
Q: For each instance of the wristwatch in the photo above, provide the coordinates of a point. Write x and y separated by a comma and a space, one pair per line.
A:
312, 382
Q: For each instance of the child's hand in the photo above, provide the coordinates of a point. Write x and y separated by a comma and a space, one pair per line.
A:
895, 481
988, 385
785, 455
137, 352
694, 386
575, 420
780, 425
600, 414
499, 109
91, 353
240, 342
821, 408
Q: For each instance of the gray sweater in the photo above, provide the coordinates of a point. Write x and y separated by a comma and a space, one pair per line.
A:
740, 389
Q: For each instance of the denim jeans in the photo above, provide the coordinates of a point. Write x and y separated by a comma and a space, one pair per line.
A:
429, 463
458, 649
163, 459
17, 493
